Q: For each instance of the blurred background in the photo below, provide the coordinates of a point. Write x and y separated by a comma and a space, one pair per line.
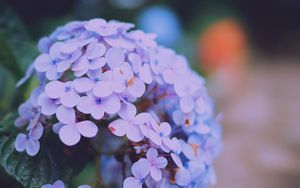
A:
249, 51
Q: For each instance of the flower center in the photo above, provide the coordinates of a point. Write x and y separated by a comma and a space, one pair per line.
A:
130, 81
67, 89
98, 101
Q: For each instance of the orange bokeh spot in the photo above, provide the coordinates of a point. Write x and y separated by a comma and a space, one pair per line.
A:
222, 44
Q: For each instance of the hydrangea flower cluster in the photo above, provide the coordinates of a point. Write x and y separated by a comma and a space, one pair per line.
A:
96, 70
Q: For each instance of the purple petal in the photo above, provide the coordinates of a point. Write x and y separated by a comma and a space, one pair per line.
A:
131, 182
152, 154
111, 104
169, 76
81, 64
202, 129
56, 127
95, 50
80, 73
36, 132
136, 61
48, 106
97, 63
21, 121
42, 63
65, 115
114, 57
118, 85
154, 137
69, 47
183, 177
141, 168
58, 184
102, 89
69, 135
70, 99
145, 74
82, 85
134, 133
20, 143
54, 89
165, 128
155, 173
87, 128
176, 160
97, 111
127, 111
119, 127
62, 66
187, 104
160, 162
178, 117
141, 118
85, 104
136, 88
124, 72
52, 73
32, 147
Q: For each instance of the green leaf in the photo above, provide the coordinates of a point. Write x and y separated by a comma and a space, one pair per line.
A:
54, 160
16, 50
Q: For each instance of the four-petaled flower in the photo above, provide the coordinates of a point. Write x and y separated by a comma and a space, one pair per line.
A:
30, 142
156, 163
71, 131
140, 170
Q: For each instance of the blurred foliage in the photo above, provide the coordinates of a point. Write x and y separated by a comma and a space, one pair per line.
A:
16, 53
54, 161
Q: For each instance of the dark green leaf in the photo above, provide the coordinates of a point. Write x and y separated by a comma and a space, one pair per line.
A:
16, 51
54, 161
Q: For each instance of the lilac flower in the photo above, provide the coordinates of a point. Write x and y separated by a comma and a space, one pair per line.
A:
92, 59
48, 105
129, 124
64, 91
96, 106
159, 135
56, 184
140, 170
26, 112
187, 175
95, 70
143, 39
103, 28
60, 184
174, 69
156, 163
71, 132
30, 142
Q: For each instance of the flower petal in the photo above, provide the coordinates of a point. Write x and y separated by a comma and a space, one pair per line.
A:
183, 177
32, 147
54, 89
155, 173
111, 104
102, 89
69, 135
127, 111
82, 85
141, 168
20, 143
187, 104
42, 63
114, 57
70, 99
137, 88
132, 182
118, 127
87, 128
65, 115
